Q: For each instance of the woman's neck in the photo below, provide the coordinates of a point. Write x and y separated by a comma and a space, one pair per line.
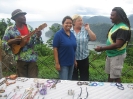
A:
67, 32
77, 29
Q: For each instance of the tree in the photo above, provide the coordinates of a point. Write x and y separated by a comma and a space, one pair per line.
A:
3, 26
54, 29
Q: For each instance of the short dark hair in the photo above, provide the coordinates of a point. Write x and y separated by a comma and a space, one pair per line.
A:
66, 17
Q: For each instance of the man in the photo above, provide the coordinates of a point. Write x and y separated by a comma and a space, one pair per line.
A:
118, 38
26, 58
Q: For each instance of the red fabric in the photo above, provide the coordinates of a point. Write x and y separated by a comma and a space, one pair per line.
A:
24, 31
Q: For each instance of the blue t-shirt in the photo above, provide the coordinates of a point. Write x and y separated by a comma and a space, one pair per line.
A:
66, 46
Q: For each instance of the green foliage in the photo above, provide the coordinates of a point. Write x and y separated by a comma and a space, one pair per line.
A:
43, 50
131, 40
46, 67
54, 30
9, 23
129, 58
3, 26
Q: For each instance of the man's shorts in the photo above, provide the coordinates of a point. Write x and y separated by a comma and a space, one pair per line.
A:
114, 65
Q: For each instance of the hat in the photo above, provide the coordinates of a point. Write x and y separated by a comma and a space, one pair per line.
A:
16, 12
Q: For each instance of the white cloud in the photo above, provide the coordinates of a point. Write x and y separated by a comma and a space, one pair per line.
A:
52, 10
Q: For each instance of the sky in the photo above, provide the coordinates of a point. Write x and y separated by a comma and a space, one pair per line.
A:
56, 10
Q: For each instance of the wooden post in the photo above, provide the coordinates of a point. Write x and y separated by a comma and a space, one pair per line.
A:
0, 59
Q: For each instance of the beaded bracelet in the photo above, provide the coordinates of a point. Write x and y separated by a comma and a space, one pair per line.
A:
120, 86
93, 84
22, 79
43, 91
100, 83
130, 86
79, 83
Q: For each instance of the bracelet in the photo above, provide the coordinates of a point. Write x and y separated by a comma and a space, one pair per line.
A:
130, 86
93, 84
100, 83
79, 83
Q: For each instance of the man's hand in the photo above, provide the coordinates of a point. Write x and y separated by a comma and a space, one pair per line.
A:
14, 41
39, 33
98, 49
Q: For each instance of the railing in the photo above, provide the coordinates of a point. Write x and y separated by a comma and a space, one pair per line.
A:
96, 68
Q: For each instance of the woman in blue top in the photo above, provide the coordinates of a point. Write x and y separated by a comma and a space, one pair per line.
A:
64, 46
83, 35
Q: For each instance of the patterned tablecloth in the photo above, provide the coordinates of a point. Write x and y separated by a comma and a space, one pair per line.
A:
64, 89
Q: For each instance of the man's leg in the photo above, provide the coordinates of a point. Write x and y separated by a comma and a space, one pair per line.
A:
109, 79
107, 69
116, 67
32, 70
22, 69
118, 80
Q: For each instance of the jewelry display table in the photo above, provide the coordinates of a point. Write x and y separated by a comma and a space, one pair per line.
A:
35, 88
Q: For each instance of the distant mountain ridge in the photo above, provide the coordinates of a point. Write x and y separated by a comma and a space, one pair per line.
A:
131, 20
103, 19
96, 19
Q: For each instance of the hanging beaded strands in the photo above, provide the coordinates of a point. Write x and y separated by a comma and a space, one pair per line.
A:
1, 83
2, 90
79, 96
